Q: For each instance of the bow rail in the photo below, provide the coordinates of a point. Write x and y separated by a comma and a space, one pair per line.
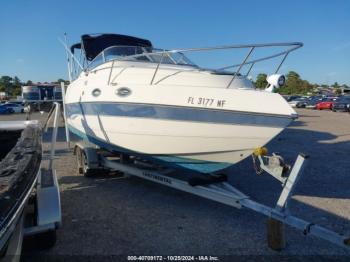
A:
177, 57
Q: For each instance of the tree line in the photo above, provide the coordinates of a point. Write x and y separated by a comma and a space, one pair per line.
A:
294, 84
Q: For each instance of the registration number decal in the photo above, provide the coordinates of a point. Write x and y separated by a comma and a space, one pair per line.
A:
207, 102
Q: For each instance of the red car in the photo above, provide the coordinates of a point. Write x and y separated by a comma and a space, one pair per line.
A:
328, 104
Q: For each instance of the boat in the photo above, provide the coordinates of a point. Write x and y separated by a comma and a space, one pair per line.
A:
20, 159
30, 204
127, 96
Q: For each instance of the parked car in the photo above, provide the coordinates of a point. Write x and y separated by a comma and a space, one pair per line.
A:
304, 102
294, 103
327, 104
311, 103
5, 110
290, 98
17, 108
342, 104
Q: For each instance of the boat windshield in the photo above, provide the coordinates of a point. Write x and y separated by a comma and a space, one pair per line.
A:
142, 54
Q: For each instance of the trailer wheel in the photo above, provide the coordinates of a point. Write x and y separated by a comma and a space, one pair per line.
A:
86, 171
78, 153
46, 240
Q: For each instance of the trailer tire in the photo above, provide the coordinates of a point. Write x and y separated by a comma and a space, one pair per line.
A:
78, 153
86, 171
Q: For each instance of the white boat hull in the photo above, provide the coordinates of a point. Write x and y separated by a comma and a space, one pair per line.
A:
188, 123
203, 140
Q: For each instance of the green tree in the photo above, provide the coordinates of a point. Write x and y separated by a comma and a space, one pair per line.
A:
16, 88
6, 80
296, 85
16, 81
293, 75
338, 91
29, 83
261, 81
6, 83
11, 85
336, 85
293, 82
66, 82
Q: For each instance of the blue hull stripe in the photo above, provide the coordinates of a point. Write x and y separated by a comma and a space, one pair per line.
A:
170, 161
176, 113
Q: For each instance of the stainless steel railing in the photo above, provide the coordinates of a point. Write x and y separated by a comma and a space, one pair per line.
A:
289, 47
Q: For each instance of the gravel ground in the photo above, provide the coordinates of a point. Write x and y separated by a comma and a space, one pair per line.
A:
109, 216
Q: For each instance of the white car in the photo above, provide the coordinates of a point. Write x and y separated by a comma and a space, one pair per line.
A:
16, 108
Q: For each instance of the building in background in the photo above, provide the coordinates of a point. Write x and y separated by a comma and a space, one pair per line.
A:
326, 91
41, 96
3, 96
41, 93
345, 90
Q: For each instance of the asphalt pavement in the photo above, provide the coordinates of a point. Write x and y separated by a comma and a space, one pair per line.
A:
109, 216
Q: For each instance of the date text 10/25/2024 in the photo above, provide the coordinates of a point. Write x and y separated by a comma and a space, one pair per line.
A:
208, 102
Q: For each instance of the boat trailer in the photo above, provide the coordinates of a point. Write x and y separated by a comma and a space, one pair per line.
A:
92, 160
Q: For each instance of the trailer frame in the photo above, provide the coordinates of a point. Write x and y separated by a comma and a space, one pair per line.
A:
92, 160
